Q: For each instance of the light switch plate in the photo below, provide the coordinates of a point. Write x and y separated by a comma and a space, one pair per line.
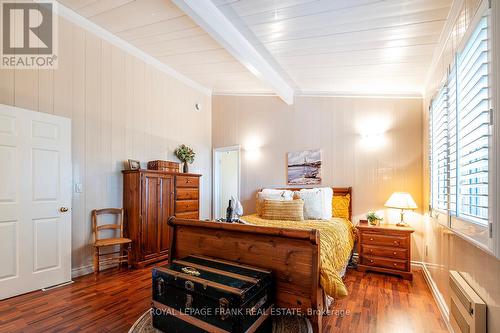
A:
78, 188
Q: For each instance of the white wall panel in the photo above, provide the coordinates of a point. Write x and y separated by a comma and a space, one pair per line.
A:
375, 166
120, 108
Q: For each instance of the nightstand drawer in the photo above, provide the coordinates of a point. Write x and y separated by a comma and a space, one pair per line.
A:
384, 239
401, 265
386, 252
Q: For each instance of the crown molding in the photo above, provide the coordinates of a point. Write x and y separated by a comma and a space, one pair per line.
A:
240, 93
106, 35
396, 95
212, 20
349, 94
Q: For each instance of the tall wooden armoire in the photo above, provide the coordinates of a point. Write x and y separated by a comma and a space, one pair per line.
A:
150, 198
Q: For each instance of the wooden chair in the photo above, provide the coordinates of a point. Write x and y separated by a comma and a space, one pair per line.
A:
124, 243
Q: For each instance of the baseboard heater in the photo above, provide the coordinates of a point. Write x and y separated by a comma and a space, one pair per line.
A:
467, 309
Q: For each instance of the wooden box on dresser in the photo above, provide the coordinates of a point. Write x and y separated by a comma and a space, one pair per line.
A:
385, 248
150, 198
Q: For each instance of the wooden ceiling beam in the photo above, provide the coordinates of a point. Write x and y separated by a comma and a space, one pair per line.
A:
214, 22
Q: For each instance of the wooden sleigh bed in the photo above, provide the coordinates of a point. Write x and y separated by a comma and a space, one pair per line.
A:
292, 254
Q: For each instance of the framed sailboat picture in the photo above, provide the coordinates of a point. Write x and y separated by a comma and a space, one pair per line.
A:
304, 167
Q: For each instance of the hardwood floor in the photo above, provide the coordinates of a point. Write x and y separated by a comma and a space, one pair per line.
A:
385, 303
377, 303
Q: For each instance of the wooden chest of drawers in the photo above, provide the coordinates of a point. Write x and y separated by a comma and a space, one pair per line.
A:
187, 195
150, 198
385, 248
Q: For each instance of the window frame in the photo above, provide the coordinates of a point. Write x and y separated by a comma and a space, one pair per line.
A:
445, 217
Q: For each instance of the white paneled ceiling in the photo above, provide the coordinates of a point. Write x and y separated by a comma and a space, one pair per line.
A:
161, 29
346, 46
318, 46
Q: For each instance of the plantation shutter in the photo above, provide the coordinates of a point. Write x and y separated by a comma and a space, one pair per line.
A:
474, 126
439, 150
452, 138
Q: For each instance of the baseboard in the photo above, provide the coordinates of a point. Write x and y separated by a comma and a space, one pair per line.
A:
88, 269
83, 270
416, 264
438, 297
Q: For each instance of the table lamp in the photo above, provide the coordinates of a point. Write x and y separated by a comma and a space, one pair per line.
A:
403, 201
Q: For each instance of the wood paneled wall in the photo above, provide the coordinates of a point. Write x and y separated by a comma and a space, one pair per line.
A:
371, 144
120, 108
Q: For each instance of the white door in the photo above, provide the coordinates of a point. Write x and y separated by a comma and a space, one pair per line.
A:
35, 200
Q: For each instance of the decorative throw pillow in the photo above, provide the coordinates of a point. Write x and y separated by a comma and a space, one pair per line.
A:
340, 204
317, 203
284, 193
313, 203
290, 210
270, 194
327, 197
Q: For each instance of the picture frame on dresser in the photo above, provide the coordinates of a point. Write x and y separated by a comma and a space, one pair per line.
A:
133, 164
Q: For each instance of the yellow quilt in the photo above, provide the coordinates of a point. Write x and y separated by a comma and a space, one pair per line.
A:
336, 242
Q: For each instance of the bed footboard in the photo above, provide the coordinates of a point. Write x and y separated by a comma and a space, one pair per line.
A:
292, 255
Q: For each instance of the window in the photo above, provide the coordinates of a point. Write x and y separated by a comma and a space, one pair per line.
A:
474, 126
439, 150
460, 138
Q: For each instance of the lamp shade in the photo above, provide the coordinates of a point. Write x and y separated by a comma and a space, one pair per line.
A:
401, 200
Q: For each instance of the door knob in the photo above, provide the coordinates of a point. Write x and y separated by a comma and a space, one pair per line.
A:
63, 209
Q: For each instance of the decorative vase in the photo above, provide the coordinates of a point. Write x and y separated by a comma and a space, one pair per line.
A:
185, 167
374, 222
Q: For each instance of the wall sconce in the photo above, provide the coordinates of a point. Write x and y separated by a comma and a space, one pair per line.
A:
252, 148
373, 132
373, 141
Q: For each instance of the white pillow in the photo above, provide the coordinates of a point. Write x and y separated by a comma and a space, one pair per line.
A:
327, 193
313, 203
283, 193
317, 203
270, 194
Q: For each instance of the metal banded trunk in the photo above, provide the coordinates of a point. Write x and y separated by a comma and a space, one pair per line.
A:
201, 294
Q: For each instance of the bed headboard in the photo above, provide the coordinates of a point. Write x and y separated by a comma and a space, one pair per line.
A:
337, 191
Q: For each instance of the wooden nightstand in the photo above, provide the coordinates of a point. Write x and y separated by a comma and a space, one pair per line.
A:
385, 248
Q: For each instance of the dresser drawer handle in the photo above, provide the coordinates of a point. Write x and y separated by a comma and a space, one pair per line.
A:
371, 238
394, 253
371, 251
371, 260
395, 264
396, 242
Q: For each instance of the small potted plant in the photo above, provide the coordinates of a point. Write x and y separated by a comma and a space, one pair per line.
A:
185, 155
373, 218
